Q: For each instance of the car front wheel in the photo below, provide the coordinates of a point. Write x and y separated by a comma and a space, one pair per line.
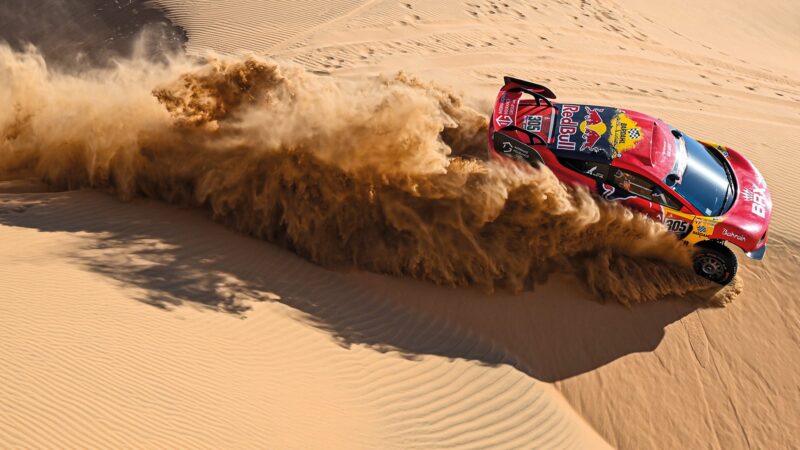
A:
715, 262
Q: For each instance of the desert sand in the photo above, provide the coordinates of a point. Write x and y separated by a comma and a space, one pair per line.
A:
137, 311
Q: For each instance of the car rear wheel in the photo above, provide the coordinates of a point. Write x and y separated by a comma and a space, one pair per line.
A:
715, 262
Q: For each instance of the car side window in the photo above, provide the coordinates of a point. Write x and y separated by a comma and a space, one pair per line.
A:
592, 169
642, 187
664, 198
631, 182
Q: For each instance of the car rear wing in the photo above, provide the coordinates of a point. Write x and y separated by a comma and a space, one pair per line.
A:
537, 91
507, 104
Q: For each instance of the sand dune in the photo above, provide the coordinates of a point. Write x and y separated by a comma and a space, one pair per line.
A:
139, 324
99, 366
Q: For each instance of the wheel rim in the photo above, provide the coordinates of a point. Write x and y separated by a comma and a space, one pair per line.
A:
711, 267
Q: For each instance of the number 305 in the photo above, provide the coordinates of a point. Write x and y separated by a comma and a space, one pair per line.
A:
677, 226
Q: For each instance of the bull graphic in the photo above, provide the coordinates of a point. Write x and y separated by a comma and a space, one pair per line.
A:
593, 128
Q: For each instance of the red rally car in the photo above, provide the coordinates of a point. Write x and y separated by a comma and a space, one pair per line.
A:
707, 194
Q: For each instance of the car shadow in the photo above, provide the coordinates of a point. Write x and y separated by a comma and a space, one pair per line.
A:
178, 256
555, 332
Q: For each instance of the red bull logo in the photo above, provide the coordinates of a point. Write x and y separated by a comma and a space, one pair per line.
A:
603, 130
567, 126
593, 128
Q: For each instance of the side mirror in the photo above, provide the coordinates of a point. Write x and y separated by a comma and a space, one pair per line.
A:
672, 180
677, 133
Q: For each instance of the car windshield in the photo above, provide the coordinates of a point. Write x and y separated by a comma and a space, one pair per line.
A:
704, 182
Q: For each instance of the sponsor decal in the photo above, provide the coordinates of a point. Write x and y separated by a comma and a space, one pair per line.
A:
594, 173
532, 124
758, 197
504, 121
733, 235
593, 128
676, 226
704, 227
625, 133
506, 110
603, 130
511, 148
567, 127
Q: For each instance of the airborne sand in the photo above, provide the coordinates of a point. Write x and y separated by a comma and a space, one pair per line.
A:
326, 358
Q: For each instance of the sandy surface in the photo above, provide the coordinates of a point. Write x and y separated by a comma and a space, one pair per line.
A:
142, 324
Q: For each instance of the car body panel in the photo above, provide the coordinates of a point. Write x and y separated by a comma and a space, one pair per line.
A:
612, 144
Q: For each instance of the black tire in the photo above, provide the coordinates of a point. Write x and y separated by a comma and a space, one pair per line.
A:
715, 262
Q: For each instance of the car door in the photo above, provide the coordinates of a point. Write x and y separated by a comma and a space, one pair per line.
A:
646, 196
637, 192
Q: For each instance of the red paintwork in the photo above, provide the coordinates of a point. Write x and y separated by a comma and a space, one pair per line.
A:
652, 156
750, 214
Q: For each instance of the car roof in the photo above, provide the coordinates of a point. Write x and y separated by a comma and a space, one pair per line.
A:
619, 137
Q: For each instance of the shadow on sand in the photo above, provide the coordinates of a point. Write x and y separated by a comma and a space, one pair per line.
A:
177, 256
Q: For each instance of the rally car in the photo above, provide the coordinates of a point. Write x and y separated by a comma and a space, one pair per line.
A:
707, 194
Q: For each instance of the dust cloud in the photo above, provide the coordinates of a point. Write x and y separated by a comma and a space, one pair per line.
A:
368, 173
